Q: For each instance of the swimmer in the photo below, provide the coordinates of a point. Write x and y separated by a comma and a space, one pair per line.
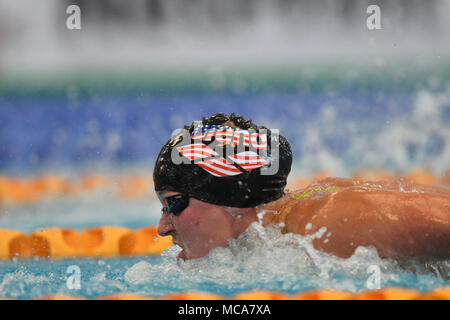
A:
214, 195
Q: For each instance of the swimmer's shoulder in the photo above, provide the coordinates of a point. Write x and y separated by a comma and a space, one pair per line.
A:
391, 185
348, 195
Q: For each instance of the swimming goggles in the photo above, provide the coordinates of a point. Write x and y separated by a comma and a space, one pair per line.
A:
176, 204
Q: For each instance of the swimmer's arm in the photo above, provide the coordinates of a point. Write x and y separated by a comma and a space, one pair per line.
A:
398, 224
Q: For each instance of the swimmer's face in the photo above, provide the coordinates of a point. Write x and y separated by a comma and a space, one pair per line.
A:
198, 228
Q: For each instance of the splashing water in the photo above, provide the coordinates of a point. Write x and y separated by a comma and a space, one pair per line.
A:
263, 257
260, 258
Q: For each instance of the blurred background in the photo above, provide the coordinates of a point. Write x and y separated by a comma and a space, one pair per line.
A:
83, 113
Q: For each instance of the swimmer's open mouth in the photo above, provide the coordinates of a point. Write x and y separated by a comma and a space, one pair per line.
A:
182, 253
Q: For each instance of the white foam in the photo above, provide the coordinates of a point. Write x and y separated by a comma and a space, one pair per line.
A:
261, 256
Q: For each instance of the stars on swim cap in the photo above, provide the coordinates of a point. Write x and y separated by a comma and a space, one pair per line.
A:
232, 136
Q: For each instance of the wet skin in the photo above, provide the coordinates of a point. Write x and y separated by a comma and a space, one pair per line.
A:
203, 226
402, 220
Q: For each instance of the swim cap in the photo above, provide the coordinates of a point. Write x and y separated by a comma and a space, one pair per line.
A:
225, 160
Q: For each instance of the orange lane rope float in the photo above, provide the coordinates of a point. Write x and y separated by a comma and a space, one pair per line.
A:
324, 295
191, 295
106, 241
260, 295
380, 294
389, 294
29, 191
5, 238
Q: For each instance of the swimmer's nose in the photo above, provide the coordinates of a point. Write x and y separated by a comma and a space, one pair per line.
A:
165, 226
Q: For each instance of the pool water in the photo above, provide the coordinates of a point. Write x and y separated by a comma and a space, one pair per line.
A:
262, 258
337, 129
